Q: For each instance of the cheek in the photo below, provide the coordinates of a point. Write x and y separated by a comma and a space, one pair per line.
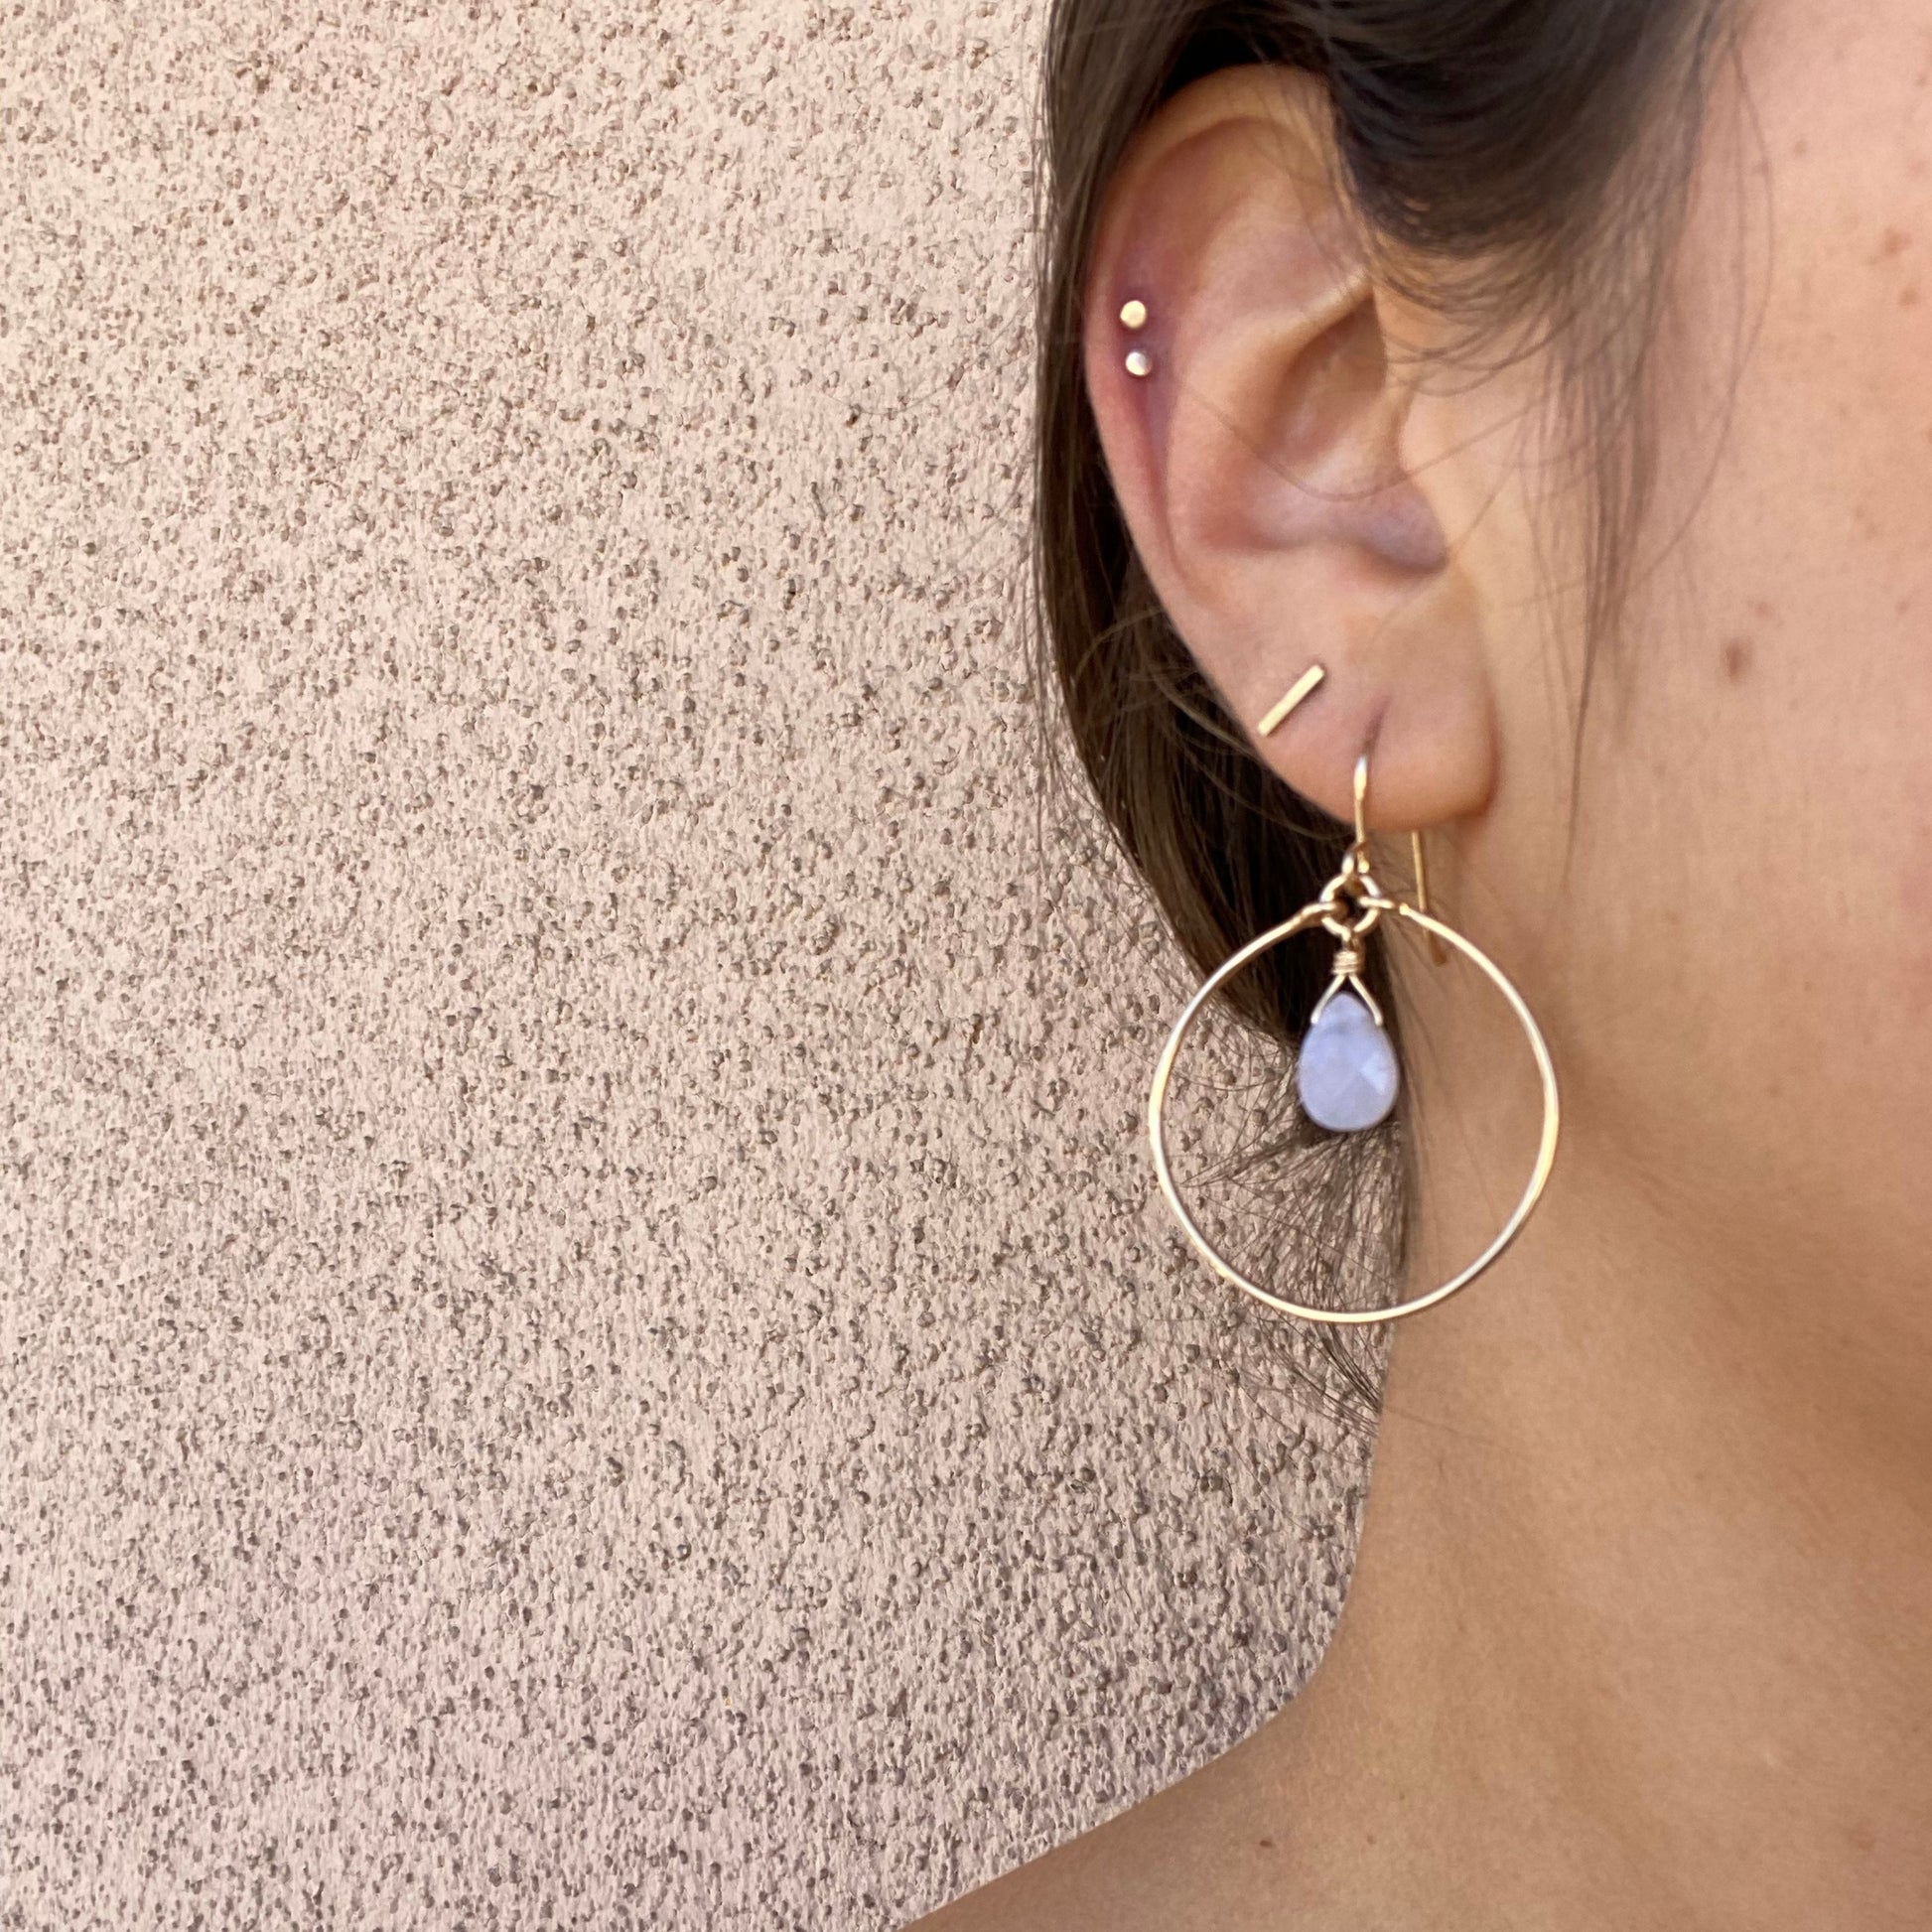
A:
1914, 978
1805, 291
1771, 781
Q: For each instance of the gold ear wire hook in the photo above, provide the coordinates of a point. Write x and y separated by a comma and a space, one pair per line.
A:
1437, 952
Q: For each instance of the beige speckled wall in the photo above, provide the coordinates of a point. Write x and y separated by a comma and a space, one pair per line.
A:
585, 1341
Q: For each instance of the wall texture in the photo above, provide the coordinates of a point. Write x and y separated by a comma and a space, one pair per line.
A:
585, 1337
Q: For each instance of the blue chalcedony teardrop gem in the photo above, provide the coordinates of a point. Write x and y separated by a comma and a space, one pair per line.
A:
1347, 1073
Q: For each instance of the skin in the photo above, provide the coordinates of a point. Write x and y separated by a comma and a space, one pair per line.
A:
1639, 1633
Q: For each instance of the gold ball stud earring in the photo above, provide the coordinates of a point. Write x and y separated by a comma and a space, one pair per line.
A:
1133, 315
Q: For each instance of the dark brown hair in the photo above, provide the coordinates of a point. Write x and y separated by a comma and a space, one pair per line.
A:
1508, 162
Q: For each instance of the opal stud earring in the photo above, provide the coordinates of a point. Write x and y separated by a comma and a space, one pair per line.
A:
1133, 316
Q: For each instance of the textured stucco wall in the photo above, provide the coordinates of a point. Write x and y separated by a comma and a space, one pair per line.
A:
585, 1340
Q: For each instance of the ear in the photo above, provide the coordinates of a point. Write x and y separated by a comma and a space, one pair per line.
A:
1258, 462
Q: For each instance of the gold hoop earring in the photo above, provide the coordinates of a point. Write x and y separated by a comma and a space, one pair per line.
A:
1348, 908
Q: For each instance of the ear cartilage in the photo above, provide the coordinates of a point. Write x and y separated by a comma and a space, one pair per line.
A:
1139, 362
1134, 315
1299, 693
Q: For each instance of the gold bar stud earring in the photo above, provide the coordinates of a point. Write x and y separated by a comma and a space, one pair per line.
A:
1299, 693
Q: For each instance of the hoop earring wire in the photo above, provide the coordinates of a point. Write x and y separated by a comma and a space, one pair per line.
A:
1348, 908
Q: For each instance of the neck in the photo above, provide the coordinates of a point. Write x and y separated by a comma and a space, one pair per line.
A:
1638, 1631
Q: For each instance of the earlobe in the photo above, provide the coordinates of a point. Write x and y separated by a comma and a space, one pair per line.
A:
1250, 408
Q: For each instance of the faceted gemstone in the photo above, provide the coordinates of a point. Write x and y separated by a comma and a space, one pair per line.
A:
1347, 1073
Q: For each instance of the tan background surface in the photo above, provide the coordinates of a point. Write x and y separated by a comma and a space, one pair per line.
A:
585, 1341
